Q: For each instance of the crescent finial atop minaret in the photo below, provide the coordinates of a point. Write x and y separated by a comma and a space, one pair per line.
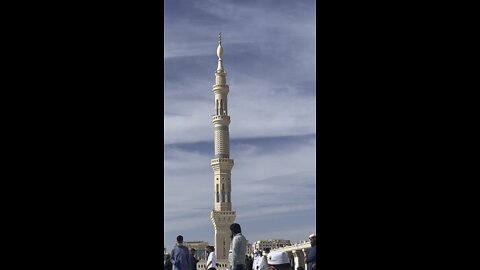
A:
219, 48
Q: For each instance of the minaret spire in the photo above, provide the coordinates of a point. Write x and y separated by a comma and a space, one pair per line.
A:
222, 214
220, 53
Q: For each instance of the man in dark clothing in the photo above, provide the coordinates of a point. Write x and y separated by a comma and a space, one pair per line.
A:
193, 260
248, 262
312, 253
168, 264
180, 256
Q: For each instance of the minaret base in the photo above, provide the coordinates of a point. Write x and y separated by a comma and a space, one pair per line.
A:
221, 222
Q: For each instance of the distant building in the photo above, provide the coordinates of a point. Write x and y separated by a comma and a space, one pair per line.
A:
270, 244
297, 253
200, 248
249, 248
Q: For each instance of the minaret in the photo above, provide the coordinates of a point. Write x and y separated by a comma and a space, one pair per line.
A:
222, 215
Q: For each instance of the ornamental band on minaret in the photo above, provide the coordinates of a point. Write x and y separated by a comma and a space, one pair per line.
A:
222, 215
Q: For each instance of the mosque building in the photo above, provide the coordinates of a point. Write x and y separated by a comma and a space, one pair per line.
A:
200, 248
270, 244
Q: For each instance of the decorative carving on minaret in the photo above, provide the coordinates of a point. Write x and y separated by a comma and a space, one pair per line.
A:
222, 215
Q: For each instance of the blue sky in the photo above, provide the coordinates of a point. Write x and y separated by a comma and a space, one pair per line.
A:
269, 56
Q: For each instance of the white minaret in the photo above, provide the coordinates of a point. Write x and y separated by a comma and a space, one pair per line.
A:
222, 215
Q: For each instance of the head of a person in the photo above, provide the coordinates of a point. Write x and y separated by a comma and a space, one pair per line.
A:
210, 249
192, 251
235, 228
313, 239
180, 239
278, 260
257, 253
167, 257
266, 250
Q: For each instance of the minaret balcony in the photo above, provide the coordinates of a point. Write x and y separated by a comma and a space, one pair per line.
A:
216, 213
222, 221
222, 163
221, 160
224, 88
221, 119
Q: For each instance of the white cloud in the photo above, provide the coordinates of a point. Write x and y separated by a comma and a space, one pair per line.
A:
256, 110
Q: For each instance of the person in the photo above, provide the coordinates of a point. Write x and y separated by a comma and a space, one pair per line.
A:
180, 256
265, 254
168, 264
278, 260
248, 262
238, 248
193, 259
259, 261
312, 253
212, 259
254, 264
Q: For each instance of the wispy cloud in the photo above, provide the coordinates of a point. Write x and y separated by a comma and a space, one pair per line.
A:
257, 109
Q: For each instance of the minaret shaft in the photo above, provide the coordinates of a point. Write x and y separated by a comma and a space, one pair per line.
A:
222, 215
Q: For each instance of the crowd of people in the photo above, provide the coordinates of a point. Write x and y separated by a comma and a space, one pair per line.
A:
182, 259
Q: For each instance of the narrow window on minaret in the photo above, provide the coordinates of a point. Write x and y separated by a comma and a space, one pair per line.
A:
218, 199
223, 192
228, 196
216, 107
221, 106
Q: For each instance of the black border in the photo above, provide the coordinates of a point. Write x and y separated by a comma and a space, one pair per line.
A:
91, 137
